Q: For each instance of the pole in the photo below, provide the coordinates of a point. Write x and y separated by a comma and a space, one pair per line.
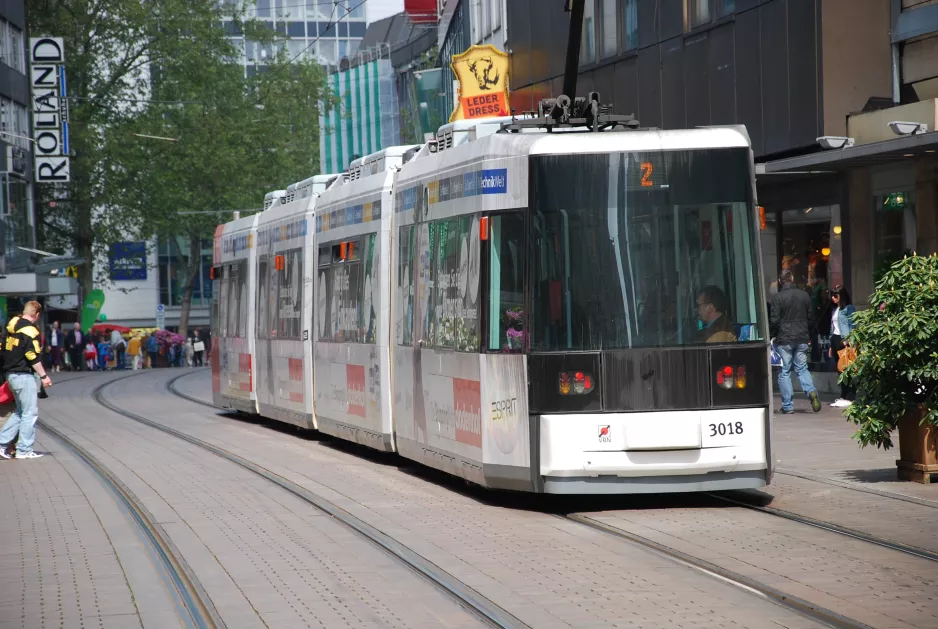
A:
577, 8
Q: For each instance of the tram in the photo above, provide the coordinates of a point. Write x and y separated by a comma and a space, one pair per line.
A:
570, 312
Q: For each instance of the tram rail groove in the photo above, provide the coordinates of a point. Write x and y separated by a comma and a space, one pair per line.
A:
855, 487
803, 607
485, 610
190, 594
915, 551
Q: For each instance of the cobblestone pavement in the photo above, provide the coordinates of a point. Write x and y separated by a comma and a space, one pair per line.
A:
264, 557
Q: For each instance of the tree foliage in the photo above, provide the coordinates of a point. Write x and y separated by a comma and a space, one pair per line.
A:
897, 343
163, 68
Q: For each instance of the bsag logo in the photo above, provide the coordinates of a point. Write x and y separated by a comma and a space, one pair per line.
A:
495, 181
605, 434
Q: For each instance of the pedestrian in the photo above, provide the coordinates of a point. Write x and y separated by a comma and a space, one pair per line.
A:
198, 348
133, 350
792, 325
190, 353
118, 347
74, 345
841, 327
91, 355
21, 357
153, 348
56, 344
103, 353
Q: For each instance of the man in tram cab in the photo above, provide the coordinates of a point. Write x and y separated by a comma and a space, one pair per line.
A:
711, 309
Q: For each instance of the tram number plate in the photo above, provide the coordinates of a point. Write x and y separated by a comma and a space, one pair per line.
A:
722, 431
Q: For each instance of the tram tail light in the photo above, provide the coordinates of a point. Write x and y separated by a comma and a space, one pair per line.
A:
575, 383
732, 377
278, 263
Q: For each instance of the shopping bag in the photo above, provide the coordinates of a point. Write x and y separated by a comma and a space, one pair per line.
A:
845, 357
198, 346
776, 357
6, 394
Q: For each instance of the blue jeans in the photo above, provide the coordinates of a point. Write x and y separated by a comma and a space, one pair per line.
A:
26, 392
793, 356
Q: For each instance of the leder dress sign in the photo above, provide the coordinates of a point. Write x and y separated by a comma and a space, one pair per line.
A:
482, 72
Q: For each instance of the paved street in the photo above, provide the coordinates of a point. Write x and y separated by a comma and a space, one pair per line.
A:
73, 556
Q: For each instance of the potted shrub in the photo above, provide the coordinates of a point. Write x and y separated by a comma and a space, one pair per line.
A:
896, 370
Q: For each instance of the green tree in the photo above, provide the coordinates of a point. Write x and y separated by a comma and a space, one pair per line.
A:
111, 47
235, 139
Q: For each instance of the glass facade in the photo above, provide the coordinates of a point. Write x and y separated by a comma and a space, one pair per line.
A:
16, 221
318, 30
172, 272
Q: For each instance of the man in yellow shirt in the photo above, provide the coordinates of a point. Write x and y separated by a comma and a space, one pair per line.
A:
133, 350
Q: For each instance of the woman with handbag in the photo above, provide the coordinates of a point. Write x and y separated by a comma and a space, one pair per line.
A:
841, 326
198, 346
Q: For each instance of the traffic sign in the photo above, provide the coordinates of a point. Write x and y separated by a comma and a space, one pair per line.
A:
161, 317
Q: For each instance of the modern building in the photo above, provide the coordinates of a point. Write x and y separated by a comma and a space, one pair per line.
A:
18, 277
383, 92
322, 30
791, 71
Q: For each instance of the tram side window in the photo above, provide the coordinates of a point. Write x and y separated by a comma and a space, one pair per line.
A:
340, 292
405, 286
290, 295
262, 301
444, 270
507, 321
371, 289
243, 299
223, 302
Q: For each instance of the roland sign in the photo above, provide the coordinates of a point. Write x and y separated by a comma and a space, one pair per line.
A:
50, 109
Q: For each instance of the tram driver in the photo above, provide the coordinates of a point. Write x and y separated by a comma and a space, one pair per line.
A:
711, 309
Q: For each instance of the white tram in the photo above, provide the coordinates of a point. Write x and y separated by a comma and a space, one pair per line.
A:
575, 312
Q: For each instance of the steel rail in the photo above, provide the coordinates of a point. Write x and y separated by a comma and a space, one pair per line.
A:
190, 594
856, 487
466, 597
793, 603
833, 528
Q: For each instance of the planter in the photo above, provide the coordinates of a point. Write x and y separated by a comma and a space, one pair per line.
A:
918, 448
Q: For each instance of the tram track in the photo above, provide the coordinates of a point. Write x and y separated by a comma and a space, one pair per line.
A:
481, 607
806, 608
191, 598
801, 606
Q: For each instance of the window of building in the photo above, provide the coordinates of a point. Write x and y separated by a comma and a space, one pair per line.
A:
355, 9
16, 44
506, 286
296, 29
262, 8
172, 265
894, 228
4, 42
701, 12
588, 43
296, 47
607, 24
631, 24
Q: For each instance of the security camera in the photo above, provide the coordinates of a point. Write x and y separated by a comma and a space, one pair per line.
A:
908, 128
835, 142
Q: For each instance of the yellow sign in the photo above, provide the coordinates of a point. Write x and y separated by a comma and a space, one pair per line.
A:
482, 72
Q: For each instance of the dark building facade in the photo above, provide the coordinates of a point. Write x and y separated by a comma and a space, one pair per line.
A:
17, 224
790, 70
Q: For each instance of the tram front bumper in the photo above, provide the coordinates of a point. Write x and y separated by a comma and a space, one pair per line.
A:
654, 444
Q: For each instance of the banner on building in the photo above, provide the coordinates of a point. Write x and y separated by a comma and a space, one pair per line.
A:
128, 260
50, 109
482, 72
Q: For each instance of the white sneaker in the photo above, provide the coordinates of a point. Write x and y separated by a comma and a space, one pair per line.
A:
29, 455
4, 453
838, 402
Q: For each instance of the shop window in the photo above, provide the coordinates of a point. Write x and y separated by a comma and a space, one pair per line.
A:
894, 228
506, 283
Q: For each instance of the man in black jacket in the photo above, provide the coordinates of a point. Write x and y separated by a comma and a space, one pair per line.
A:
22, 355
74, 345
792, 325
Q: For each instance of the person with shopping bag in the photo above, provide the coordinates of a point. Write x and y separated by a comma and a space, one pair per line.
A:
21, 359
841, 327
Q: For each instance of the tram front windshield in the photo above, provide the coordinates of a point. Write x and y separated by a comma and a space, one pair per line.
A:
643, 250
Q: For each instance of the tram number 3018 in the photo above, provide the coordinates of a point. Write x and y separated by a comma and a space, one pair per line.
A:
728, 428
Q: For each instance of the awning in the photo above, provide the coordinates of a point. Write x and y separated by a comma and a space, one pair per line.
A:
877, 153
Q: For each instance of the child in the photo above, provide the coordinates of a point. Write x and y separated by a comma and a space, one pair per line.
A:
91, 355
103, 349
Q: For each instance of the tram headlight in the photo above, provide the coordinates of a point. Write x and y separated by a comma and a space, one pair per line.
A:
575, 383
732, 377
